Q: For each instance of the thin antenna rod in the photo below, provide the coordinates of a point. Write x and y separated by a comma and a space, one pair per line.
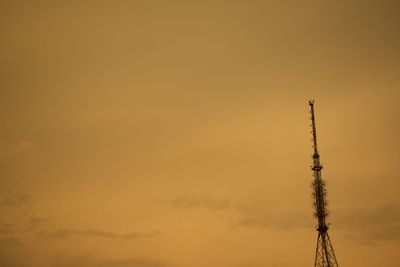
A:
314, 131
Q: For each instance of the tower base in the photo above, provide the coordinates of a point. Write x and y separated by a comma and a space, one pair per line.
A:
325, 255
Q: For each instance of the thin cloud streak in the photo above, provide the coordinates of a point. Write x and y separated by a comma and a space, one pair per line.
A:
249, 214
67, 233
87, 261
17, 200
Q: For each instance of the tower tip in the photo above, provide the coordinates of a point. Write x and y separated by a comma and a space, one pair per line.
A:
311, 102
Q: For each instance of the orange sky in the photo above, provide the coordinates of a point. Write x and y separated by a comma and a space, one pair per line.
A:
176, 133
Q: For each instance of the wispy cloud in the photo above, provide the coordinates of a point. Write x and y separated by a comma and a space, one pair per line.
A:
86, 261
275, 264
371, 225
10, 241
257, 213
204, 200
250, 213
19, 214
67, 233
5, 229
363, 225
11, 255
17, 200
17, 149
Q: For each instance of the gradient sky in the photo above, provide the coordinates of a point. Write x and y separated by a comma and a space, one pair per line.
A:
176, 133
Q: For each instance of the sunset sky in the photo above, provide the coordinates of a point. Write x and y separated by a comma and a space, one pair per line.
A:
177, 133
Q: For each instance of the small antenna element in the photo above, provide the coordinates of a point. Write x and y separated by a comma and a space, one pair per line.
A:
325, 255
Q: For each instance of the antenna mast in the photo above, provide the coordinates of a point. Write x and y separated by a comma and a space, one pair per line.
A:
325, 255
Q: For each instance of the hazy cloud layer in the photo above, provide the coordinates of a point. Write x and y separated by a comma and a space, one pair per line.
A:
13, 251
11, 254
204, 200
371, 225
251, 213
16, 149
17, 200
85, 261
109, 109
5, 229
13, 259
258, 214
276, 264
10, 242
363, 225
18, 213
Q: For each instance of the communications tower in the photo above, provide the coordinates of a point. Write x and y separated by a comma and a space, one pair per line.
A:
324, 254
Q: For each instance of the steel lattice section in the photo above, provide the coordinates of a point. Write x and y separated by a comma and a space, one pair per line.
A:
324, 254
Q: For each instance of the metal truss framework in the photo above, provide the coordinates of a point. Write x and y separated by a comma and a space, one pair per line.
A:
324, 254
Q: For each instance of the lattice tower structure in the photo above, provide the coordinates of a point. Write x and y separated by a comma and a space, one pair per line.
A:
324, 254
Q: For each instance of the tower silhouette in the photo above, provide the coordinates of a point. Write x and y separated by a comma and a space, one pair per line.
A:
324, 254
